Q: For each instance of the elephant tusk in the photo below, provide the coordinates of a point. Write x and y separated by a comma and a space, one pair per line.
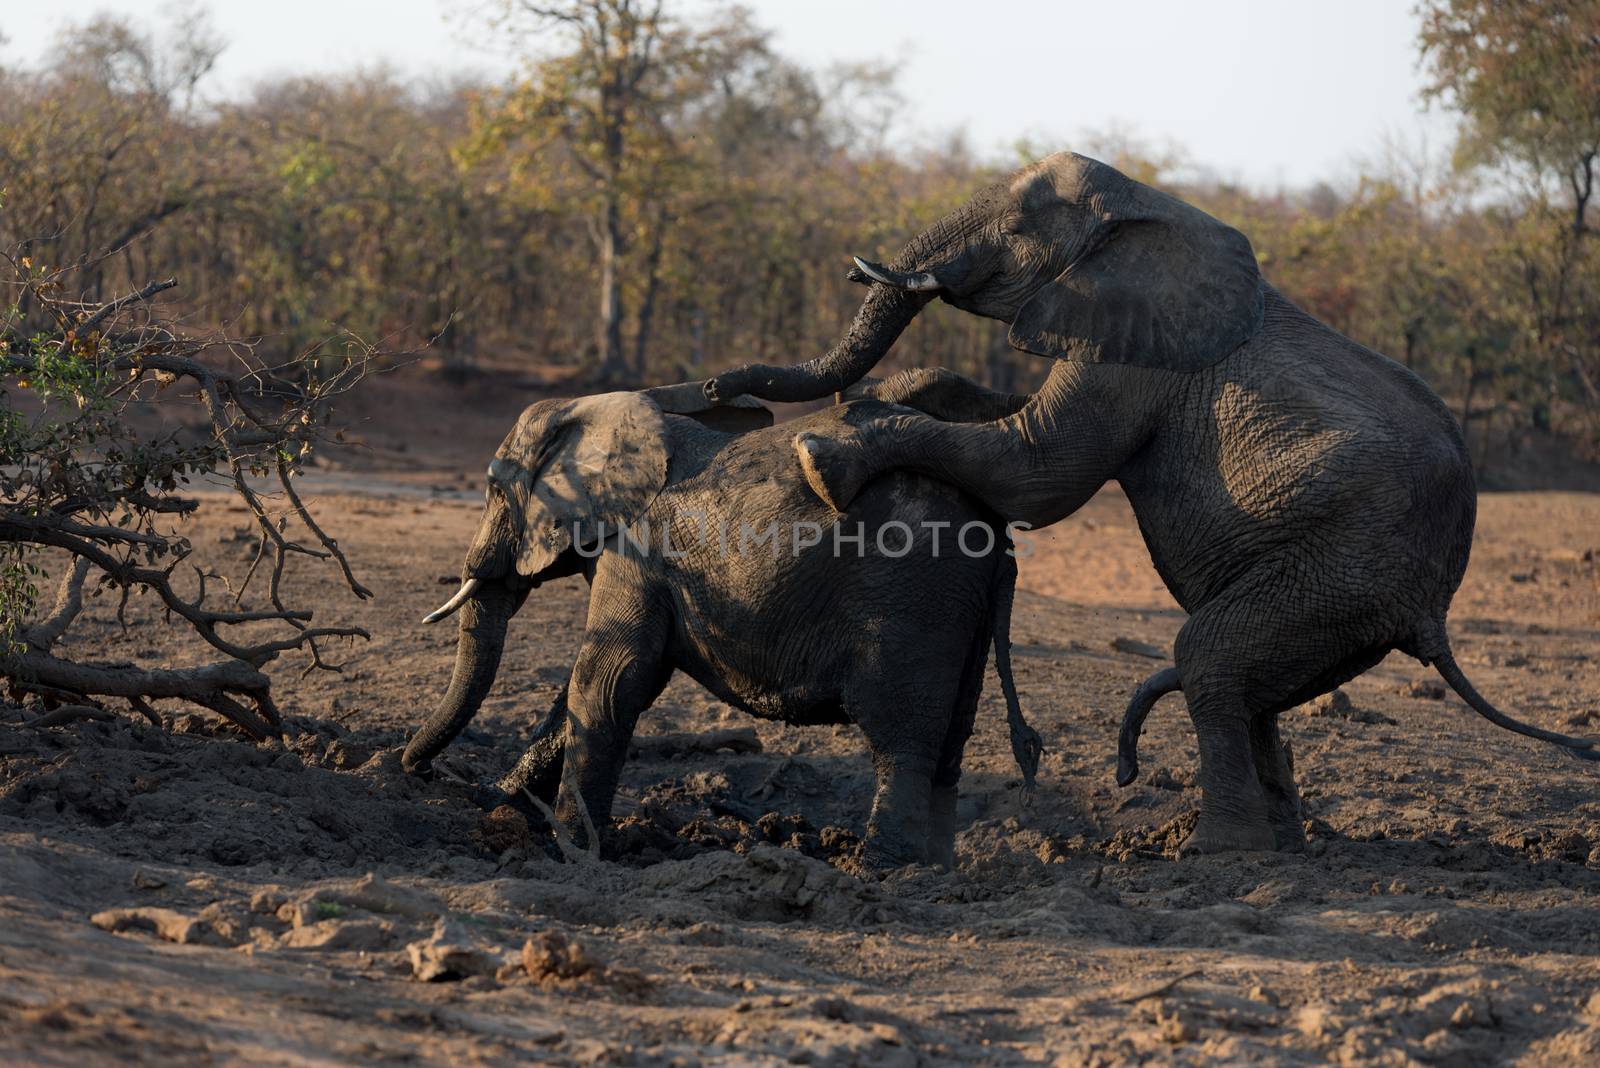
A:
449, 607
921, 282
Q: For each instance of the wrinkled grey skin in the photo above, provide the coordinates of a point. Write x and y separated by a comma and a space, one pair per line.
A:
895, 645
1309, 502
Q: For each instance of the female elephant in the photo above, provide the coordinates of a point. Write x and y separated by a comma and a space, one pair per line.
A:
1308, 501
705, 552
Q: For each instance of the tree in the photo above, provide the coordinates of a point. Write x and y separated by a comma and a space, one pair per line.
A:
1526, 77
78, 481
603, 103
82, 148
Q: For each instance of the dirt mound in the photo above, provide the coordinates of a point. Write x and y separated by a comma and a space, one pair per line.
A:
209, 796
768, 885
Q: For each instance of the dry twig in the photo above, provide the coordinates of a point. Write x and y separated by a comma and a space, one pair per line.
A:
564, 842
1160, 990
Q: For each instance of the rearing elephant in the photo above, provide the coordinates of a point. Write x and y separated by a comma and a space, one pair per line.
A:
1308, 501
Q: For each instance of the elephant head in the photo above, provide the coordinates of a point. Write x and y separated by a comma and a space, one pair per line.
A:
571, 473
1083, 262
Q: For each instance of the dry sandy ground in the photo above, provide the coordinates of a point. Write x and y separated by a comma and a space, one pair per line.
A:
1448, 912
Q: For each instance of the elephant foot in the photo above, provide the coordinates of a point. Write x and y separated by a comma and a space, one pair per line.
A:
1289, 839
882, 855
1288, 827
1211, 836
832, 468
489, 797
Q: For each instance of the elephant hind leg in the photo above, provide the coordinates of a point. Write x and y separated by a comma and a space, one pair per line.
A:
942, 814
1274, 762
946, 789
907, 720
947, 776
1267, 643
1233, 807
902, 805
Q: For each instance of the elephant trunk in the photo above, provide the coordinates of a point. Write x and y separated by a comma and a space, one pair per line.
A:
482, 639
884, 313
898, 293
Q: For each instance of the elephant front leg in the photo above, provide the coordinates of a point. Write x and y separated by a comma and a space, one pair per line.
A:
537, 774
615, 679
1033, 467
947, 396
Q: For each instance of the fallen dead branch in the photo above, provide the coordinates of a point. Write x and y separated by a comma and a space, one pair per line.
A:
65, 714
1161, 989
569, 849
76, 479
733, 739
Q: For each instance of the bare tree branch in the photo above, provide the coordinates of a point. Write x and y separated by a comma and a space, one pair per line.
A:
117, 305
95, 497
69, 602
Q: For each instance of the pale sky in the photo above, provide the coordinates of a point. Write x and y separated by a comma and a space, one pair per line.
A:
1272, 92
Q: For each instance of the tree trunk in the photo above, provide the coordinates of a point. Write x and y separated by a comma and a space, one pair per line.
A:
647, 306
697, 341
608, 328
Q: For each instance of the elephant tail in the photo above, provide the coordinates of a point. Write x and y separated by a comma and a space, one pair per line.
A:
1445, 664
1026, 745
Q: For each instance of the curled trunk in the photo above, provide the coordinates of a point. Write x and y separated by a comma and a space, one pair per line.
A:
482, 639
927, 264
882, 316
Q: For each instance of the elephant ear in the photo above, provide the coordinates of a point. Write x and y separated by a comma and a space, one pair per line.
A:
594, 465
1163, 285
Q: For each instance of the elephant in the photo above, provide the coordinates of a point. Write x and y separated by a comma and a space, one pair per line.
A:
1309, 502
705, 552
